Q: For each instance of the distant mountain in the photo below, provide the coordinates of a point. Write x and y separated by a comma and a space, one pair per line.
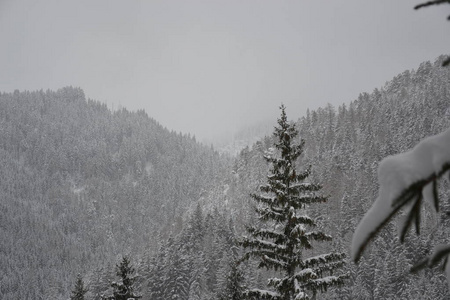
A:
80, 184
233, 143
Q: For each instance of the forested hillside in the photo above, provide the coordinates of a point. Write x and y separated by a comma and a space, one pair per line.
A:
80, 185
346, 145
343, 146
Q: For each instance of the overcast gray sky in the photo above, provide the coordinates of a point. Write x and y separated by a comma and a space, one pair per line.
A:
209, 67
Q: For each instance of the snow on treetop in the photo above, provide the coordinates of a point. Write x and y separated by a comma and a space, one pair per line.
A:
395, 174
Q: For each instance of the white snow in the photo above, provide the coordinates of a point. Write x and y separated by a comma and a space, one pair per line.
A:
300, 294
291, 212
326, 280
305, 273
300, 228
264, 293
300, 184
447, 272
269, 244
275, 261
395, 174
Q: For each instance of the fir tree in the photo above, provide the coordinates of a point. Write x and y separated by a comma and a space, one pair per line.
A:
233, 289
79, 290
287, 230
177, 281
124, 288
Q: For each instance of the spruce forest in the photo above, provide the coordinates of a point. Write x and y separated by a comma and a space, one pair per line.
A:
108, 204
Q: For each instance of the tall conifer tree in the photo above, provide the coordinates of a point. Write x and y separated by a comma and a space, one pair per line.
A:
286, 228
79, 290
233, 289
124, 288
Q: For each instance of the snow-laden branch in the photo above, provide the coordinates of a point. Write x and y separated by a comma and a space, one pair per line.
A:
318, 236
299, 292
305, 275
401, 178
264, 244
262, 294
323, 259
302, 200
269, 233
405, 179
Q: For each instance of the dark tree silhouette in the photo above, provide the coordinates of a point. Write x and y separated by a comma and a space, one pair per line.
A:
79, 290
124, 287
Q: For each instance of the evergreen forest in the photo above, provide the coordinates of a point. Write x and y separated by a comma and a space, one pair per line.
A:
98, 203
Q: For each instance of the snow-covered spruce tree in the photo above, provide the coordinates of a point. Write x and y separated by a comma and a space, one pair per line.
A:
124, 287
79, 290
233, 288
287, 230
